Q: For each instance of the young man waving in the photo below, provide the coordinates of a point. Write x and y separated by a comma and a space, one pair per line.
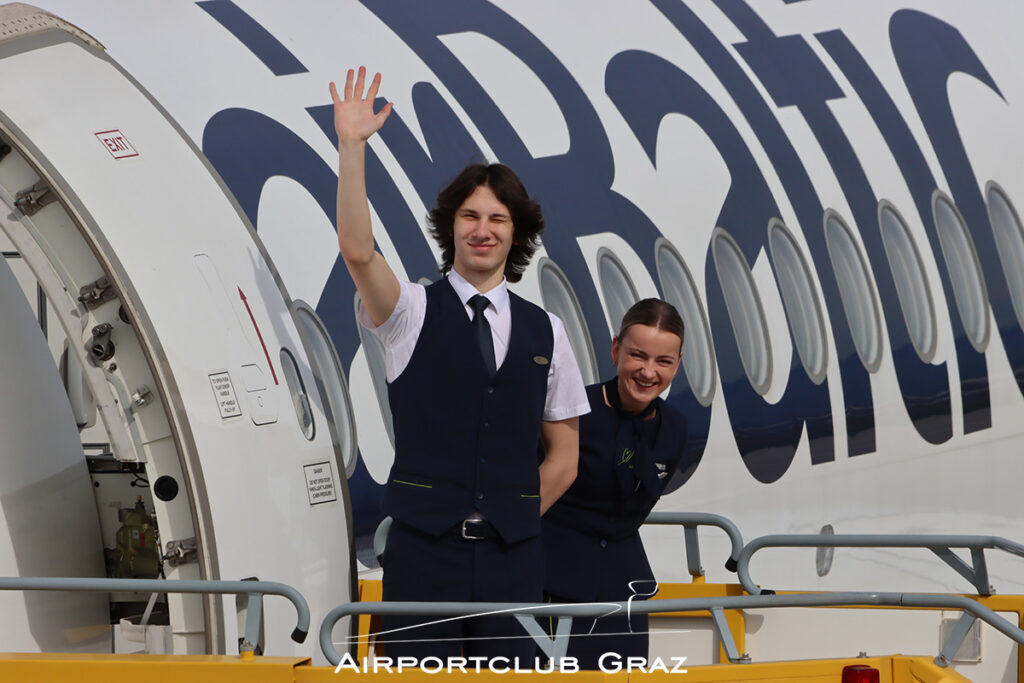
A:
477, 377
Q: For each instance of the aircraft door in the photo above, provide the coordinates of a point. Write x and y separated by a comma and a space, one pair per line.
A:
184, 334
48, 524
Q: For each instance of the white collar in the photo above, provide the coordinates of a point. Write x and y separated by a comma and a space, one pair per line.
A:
497, 296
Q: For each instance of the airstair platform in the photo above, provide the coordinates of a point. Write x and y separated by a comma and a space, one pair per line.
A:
723, 609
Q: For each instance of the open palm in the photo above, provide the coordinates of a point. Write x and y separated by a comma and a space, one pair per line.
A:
354, 120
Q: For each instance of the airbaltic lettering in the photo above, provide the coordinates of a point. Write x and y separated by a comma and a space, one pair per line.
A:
646, 88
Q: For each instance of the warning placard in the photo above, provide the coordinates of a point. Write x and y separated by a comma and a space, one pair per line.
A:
320, 483
227, 402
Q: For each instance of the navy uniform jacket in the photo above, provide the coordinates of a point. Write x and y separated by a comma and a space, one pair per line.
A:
592, 541
466, 442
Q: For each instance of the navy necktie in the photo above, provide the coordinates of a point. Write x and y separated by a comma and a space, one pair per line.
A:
483, 331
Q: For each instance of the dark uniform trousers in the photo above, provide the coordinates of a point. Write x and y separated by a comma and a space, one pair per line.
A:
420, 567
465, 444
622, 633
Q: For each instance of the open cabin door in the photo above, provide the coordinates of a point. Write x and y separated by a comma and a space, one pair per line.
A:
182, 333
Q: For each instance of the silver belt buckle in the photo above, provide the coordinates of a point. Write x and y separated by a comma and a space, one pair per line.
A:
465, 535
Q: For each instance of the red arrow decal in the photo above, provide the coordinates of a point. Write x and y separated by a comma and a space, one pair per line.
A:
257, 327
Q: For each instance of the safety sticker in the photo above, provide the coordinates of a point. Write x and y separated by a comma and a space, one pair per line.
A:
227, 402
117, 144
320, 483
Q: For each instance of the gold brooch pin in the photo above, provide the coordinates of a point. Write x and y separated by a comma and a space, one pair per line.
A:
540, 360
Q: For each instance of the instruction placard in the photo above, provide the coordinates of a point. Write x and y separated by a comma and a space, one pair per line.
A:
227, 402
320, 483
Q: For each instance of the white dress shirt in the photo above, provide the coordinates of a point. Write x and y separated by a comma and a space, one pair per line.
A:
566, 395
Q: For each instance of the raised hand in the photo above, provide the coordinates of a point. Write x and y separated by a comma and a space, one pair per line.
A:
354, 120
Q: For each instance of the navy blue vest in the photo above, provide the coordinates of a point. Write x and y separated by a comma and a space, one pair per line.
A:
592, 543
465, 442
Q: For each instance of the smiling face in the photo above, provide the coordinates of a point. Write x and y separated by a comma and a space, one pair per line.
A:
483, 234
647, 359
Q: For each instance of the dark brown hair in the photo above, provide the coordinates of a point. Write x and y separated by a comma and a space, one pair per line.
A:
655, 313
527, 221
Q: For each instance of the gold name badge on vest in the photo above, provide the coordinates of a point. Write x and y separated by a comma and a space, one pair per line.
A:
540, 360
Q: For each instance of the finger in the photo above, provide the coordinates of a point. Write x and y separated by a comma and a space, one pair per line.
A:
334, 93
383, 114
348, 85
360, 82
371, 94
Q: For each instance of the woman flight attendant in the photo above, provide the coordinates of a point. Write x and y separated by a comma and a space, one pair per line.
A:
630, 444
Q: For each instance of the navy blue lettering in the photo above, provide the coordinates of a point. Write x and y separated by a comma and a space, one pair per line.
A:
794, 76
250, 33
575, 191
972, 366
860, 417
927, 52
450, 146
645, 88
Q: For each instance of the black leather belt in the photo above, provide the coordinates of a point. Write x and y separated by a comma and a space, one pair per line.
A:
477, 530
